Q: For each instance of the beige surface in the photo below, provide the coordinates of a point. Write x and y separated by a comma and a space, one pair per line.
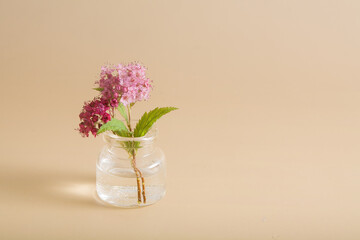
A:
265, 144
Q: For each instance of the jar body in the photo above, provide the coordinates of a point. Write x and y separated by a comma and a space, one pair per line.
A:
117, 181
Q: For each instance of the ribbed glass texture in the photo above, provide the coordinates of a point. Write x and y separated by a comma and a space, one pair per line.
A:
120, 184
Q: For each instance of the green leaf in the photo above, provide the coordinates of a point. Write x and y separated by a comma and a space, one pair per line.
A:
122, 110
98, 89
148, 119
116, 126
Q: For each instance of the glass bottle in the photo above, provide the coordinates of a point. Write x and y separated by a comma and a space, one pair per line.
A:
130, 172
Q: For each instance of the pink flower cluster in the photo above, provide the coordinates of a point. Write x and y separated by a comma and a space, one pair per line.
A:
109, 82
124, 83
92, 116
137, 87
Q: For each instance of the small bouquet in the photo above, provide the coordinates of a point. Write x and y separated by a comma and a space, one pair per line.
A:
120, 87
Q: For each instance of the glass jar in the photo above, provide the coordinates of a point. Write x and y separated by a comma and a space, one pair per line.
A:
130, 172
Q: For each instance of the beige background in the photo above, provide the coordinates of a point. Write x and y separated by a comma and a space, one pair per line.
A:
265, 144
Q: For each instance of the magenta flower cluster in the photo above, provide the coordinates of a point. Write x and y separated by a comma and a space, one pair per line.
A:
124, 83
92, 116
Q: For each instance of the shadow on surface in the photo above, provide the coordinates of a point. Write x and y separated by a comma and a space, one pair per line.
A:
46, 187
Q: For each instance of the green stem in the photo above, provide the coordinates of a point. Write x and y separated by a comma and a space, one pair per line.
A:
138, 173
129, 122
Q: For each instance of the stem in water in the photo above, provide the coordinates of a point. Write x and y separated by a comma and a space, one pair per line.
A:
136, 170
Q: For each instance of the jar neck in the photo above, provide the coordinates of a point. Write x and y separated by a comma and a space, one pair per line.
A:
123, 146
129, 148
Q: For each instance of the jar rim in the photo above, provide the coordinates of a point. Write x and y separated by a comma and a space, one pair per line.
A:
149, 136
